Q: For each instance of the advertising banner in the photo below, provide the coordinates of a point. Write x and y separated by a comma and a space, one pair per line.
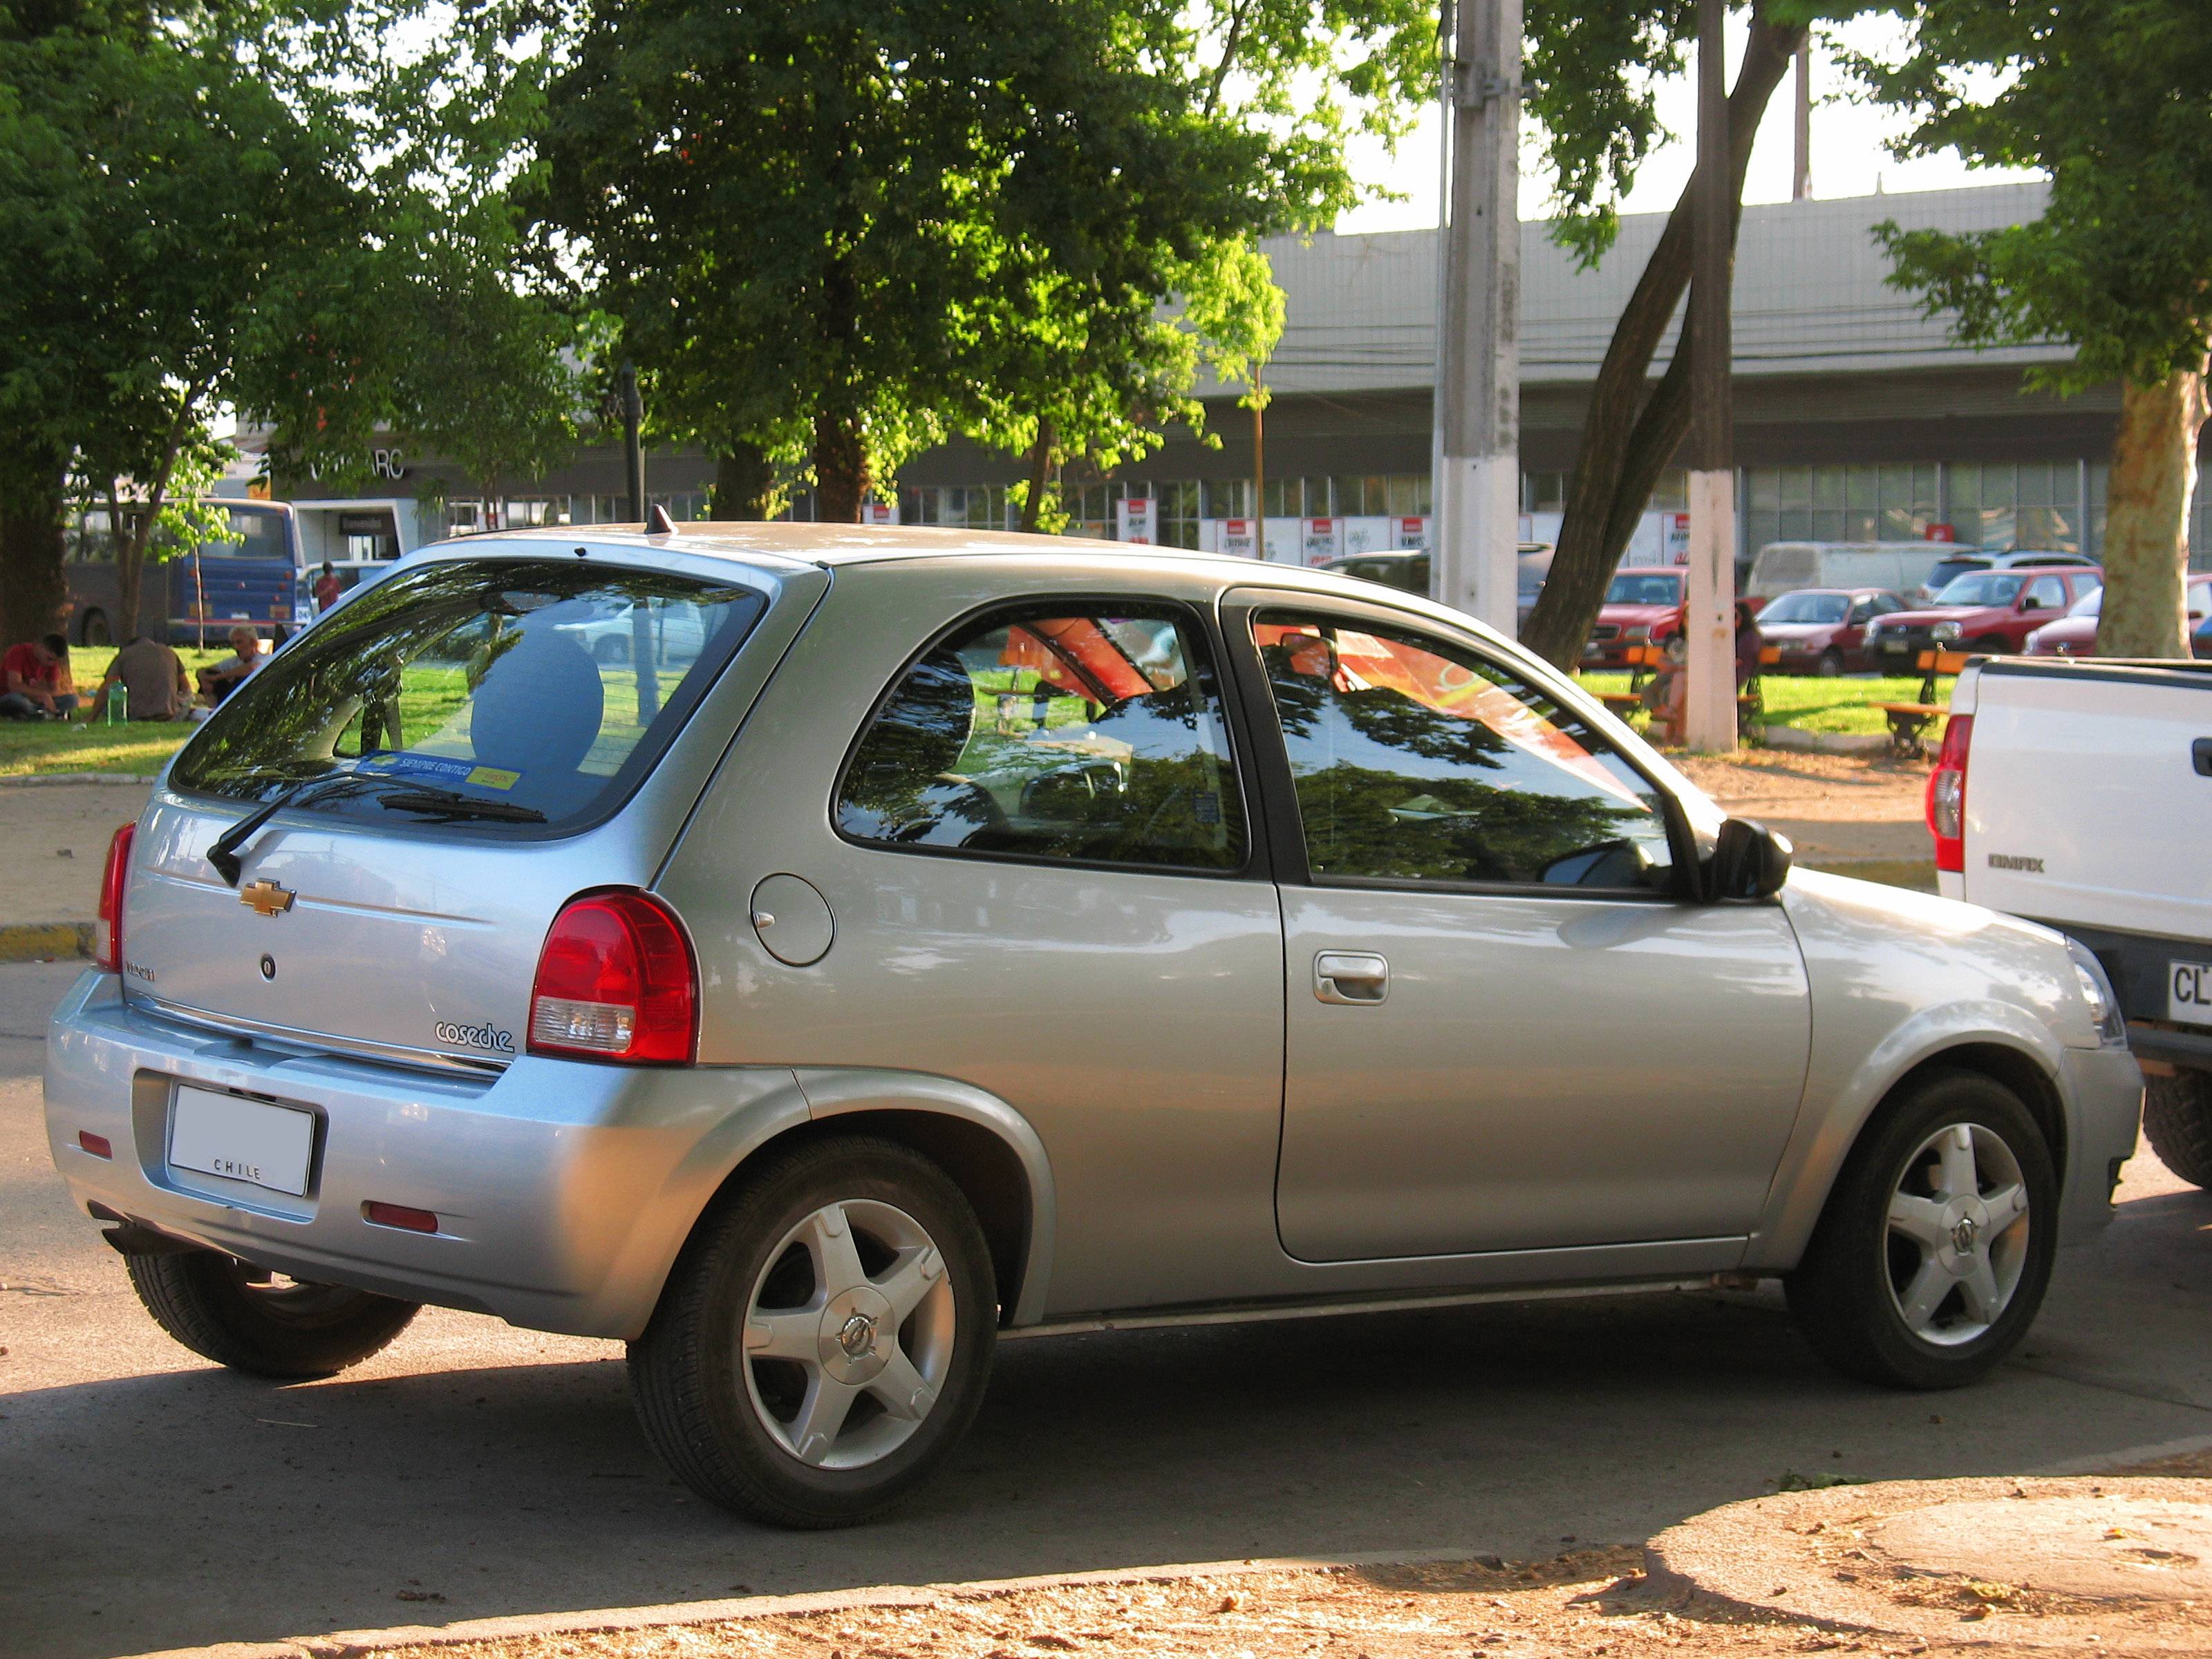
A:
1237, 538
879, 512
1678, 538
1321, 540
1412, 535
1134, 520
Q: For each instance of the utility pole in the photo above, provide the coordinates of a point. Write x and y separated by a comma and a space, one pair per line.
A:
1477, 482
1801, 179
633, 414
1708, 624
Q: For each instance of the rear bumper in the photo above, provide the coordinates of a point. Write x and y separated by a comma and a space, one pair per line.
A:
562, 1189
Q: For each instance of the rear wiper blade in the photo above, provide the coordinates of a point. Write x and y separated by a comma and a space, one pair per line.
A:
222, 851
451, 804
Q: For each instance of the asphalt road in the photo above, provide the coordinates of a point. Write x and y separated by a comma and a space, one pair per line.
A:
149, 1500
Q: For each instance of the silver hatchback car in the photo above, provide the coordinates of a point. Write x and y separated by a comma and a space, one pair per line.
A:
807, 953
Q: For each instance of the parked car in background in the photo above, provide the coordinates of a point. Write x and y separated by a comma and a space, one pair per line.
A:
2075, 634
1892, 567
1955, 565
1988, 611
1642, 606
910, 964
1822, 630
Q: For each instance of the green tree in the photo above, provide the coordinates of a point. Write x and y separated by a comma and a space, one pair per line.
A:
2113, 98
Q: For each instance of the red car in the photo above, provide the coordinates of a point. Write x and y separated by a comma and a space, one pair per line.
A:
1822, 630
1641, 606
2075, 634
1991, 610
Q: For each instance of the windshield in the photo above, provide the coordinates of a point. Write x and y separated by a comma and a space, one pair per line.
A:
536, 687
1983, 587
1808, 608
1644, 589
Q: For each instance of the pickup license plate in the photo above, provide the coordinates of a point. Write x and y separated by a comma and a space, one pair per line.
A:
1896, 648
246, 1140
2189, 993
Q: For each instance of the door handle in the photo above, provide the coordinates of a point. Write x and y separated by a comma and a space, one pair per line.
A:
1351, 976
2200, 757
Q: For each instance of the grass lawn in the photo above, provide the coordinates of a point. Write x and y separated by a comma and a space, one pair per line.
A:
1811, 704
141, 748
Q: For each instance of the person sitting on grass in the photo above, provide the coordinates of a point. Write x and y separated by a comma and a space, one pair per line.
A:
220, 680
34, 681
154, 684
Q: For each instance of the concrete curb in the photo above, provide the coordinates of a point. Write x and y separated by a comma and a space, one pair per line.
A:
38, 780
45, 941
1825, 742
349, 1644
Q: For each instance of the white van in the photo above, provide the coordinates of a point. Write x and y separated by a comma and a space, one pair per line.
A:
1899, 567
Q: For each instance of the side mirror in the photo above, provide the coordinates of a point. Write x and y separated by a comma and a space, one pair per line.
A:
1749, 861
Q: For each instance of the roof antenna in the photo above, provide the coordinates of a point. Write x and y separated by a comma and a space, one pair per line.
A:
659, 523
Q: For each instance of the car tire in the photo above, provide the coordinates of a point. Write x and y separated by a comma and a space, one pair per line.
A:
92, 631
228, 1311
1910, 1281
1831, 665
2177, 1121
818, 1303
1995, 645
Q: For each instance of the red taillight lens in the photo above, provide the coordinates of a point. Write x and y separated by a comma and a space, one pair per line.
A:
98, 1145
107, 932
616, 982
1947, 794
399, 1215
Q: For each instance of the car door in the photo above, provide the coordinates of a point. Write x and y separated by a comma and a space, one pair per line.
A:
1505, 1029
2041, 599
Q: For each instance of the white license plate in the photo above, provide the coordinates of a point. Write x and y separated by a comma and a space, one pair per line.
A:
242, 1139
2189, 993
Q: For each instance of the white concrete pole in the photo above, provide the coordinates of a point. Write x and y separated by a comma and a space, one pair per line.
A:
1709, 620
1478, 484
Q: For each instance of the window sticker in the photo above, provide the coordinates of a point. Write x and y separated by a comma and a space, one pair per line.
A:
406, 764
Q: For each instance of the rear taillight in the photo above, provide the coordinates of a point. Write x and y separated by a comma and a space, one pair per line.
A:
1947, 794
107, 932
616, 982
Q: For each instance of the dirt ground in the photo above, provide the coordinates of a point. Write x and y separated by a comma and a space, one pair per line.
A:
1585, 1603
56, 835
1836, 808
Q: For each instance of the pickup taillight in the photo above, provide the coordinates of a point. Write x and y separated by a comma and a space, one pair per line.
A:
1947, 795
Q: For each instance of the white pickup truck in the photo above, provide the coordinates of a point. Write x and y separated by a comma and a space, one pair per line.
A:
2078, 793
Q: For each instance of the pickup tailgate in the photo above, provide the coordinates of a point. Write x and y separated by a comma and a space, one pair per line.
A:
2085, 799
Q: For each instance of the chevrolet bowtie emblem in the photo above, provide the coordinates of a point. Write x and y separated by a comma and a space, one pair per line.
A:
266, 898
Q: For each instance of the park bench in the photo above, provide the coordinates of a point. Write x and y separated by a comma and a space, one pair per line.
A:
1750, 702
1909, 722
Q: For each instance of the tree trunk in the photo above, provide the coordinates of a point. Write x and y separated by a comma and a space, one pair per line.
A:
1627, 438
33, 588
1040, 469
130, 554
840, 468
745, 484
2146, 547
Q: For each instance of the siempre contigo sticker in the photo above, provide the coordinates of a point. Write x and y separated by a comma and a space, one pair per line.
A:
444, 768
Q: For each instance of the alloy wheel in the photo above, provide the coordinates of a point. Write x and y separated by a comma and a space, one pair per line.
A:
849, 1334
1958, 1234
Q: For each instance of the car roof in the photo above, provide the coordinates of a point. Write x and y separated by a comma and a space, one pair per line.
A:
833, 546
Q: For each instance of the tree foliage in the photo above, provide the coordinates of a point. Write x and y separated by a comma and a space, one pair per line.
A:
2113, 98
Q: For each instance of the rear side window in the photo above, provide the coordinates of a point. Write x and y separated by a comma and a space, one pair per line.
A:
496, 694
1090, 733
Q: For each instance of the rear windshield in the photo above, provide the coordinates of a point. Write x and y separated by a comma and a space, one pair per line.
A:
496, 694
1808, 608
1645, 590
1949, 570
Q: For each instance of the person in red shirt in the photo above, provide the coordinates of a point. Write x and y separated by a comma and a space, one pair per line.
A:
34, 681
327, 588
